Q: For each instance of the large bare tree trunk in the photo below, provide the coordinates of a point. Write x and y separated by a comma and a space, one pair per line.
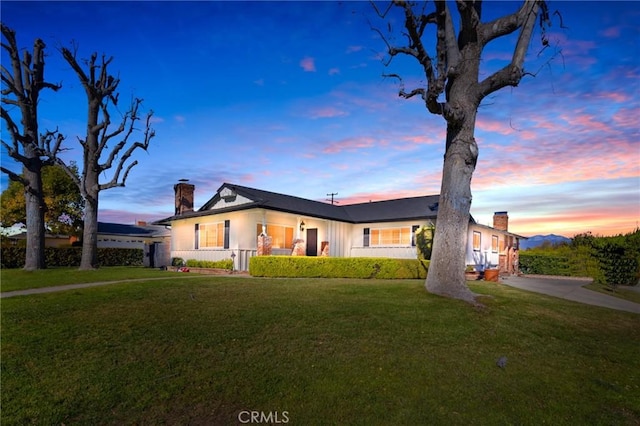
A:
90, 234
22, 81
100, 88
452, 70
35, 208
446, 269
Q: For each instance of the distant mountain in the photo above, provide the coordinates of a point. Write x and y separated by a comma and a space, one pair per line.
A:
538, 240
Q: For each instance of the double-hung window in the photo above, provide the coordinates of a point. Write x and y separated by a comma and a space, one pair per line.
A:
494, 243
387, 236
212, 235
477, 241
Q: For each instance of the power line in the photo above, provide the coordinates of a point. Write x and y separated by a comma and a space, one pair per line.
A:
332, 199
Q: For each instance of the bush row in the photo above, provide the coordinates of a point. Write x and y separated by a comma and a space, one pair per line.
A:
608, 260
337, 267
540, 264
14, 257
217, 264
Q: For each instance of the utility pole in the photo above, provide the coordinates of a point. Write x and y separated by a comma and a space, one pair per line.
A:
332, 200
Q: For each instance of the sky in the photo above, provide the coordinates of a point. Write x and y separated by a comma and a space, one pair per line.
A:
291, 97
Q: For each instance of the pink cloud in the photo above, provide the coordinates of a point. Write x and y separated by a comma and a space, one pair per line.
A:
308, 64
353, 49
349, 144
611, 32
327, 112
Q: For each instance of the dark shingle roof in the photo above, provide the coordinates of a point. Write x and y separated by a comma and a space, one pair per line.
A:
379, 211
394, 210
132, 230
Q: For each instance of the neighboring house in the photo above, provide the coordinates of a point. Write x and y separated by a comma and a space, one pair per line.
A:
153, 239
50, 240
230, 223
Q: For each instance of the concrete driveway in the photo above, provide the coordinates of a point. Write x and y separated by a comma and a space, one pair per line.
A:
570, 289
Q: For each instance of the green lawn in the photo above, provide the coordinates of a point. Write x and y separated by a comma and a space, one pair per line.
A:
620, 292
361, 352
19, 279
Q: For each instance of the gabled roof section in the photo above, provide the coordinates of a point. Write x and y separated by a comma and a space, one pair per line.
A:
231, 197
257, 198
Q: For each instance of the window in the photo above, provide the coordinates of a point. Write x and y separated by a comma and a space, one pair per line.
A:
477, 240
390, 237
494, 243
281, 236
210, 235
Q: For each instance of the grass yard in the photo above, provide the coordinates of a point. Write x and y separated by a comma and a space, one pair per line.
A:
19, 279
620, 292
361, 352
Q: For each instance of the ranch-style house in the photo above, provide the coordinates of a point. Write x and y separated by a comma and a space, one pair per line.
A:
239, 222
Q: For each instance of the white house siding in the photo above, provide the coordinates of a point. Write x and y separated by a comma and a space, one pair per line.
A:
485, 256
345, 239
339, 236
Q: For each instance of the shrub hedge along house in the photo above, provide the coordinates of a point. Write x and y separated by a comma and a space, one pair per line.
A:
239, 222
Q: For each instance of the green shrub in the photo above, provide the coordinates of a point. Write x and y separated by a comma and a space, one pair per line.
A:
337, 267
177, 261
14, 257
217, 264
424, 241
544, 264
608, 260
619, 265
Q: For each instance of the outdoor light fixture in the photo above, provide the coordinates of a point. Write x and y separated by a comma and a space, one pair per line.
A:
302, 226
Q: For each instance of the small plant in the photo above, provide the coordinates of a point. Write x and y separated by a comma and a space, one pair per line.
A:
424, 241
177, 261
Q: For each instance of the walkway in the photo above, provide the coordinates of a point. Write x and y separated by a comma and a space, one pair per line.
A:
570, 289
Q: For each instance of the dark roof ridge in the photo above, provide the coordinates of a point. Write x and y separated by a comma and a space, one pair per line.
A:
392, 199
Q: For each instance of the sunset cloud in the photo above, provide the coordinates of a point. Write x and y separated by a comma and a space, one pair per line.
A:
349, 144
327, 112
308, 64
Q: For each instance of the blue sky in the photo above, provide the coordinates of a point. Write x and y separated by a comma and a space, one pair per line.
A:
290, 97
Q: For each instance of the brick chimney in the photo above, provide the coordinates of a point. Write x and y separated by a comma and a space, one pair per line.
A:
184, 196
501, 221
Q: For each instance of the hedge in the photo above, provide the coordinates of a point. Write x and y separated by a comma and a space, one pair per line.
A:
544, 264
217, 264
14, 257
337, 267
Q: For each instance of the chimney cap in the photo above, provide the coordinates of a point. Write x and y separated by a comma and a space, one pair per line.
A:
183, 180
500, 212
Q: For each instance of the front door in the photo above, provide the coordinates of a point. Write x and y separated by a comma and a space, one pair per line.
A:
312, 242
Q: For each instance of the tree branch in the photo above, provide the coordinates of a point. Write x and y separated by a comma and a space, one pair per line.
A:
14, 176
511, 74
144, 145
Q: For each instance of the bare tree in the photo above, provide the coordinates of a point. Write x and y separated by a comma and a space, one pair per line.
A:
21, 86
100, 88
452, 69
